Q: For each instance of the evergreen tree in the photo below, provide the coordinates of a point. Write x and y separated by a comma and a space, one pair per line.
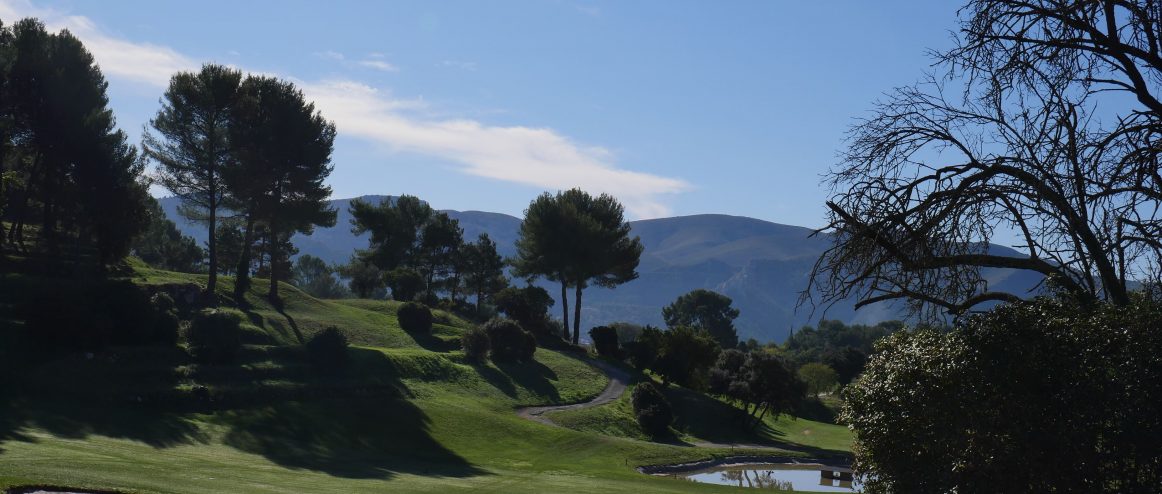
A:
192, 147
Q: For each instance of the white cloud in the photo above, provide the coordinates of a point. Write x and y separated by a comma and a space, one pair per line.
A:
458, 64
538, 157
333, 55
379, 65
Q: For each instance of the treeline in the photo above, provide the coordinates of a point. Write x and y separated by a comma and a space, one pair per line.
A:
71, 182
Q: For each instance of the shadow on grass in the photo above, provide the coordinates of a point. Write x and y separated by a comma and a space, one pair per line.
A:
534, 376
355, 423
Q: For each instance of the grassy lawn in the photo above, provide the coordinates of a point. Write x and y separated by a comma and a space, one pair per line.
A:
408, 414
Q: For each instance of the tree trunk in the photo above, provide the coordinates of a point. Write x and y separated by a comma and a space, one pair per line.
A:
272, 249
577, 316
565, 306
242, 278
212, 243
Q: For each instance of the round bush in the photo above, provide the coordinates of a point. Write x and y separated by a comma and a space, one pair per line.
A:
415, 318
605, 341
510, 343
651, 409
215, 336
327, 349
475, 344
1046, 395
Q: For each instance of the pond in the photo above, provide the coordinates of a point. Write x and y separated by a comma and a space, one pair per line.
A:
810, 477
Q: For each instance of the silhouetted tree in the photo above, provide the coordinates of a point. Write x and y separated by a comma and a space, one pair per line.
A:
314, 276
575, 239
483, 269
931, 178
163, 246
283, 146
440, 240
706, 311
364, 279
192, 147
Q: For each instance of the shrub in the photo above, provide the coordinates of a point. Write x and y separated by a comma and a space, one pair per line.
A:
509, 342
215, 336
1038, 396
651, 409
475, 344
327, 349
605, 341
643, 350
415, 318
405, 284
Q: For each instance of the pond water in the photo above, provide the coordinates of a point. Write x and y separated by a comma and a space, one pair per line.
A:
786, 476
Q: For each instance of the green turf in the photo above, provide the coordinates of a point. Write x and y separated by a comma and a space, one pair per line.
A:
407, 415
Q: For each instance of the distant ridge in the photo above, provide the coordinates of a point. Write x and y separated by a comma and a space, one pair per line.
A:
761, 265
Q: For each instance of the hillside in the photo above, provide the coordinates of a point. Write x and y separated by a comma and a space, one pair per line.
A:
407, 414
761, 265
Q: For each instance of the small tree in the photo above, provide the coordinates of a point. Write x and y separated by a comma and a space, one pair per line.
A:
475, 344
483, 269
364, 279
819, 377
706, 311
314, 276
643, 350
685, 356
415, 318
605, 341
510, 343
405, 284
652, 409
328, 349
528, 306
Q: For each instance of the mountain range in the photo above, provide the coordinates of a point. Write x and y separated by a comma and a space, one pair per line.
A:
762, 266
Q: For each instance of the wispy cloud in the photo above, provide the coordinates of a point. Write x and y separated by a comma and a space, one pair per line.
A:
379, 65
538, 157
333, 55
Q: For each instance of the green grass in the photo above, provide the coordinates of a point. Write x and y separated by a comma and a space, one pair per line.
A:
700, 418
407, 415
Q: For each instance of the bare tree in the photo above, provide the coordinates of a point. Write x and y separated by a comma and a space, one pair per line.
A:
1025, 134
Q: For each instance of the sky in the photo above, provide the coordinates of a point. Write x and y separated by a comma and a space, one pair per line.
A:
674, 107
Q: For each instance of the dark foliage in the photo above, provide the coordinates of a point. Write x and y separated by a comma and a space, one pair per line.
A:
685, 356
643, 351
605, 341
651, 409
215, 336
405, 284
163, 246
762, 382
705, 311
1041, 396
475, 344
528, 306
92, 315
510, 343
415, 317
327, 349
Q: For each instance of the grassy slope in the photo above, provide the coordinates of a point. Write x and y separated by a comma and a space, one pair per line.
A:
442, 425
700, 418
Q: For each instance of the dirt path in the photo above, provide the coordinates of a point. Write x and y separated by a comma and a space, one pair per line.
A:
618, 379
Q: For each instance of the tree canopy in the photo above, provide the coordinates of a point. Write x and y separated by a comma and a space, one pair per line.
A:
576, 239
1023, 135
707, 311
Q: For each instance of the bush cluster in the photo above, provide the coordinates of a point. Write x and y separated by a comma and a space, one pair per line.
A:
509, 342
1040, 396
605, 341
415, 318
652, 409
327, 349
475, 344
215, 336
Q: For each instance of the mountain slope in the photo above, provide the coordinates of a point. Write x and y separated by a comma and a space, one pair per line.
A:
761, 265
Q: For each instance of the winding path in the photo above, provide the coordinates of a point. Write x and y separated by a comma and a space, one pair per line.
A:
618, 379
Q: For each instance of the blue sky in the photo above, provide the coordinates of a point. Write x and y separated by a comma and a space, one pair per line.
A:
674, 107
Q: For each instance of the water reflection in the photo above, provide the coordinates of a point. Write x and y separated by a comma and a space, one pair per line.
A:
785, 476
